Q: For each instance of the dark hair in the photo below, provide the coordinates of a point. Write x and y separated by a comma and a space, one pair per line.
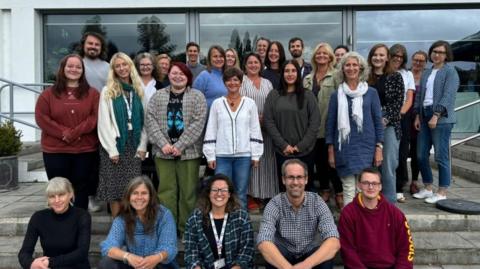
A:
294, 161
387, 70
146, 55
61, 80
185, 70
104, 50
262, 38
128, 213
281, 53
294, 39
231, 72
252, 54
396, 48
341, 47
204, 203
190, 44
370, 170
421, 52
447, 47
299, 90
210, 52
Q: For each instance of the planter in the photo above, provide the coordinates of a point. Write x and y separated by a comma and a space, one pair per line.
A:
8, 172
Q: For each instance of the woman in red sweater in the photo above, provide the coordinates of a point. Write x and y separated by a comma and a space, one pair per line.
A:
67, 115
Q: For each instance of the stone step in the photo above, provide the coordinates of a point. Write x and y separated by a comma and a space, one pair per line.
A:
466, 153
461, 168
33, 161
30, 148
458, 248
474, 142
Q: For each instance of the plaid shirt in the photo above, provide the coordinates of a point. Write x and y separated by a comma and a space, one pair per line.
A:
298, 232
238, 242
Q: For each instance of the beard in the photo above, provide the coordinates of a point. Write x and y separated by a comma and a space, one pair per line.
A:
296, 53
92, 53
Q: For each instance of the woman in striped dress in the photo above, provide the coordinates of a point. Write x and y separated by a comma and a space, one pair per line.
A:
263, 182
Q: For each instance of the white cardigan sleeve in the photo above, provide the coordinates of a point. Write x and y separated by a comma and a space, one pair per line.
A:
256, 139
107, 126
210, 140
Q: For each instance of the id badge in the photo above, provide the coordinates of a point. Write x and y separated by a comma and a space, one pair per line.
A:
129, 125
218, 264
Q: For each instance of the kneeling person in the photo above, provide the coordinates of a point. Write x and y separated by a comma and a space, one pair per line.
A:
293, 222
373, 232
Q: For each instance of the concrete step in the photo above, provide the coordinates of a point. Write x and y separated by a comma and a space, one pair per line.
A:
33, 161
31, 168
459, 248
461, 168
30, 148
466, 153
474, 142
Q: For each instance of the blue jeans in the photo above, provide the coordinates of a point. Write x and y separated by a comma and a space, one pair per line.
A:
390, 163
439, 138
109, 263
238, 170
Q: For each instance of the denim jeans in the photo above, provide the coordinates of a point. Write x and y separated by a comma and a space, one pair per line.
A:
238, 170
439, 138
109, 263
390, 163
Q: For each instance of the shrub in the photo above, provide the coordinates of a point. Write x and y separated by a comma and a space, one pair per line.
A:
10, 143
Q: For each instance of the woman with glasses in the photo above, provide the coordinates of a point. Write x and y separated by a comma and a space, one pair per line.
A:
219, 233
435, 117
175, 119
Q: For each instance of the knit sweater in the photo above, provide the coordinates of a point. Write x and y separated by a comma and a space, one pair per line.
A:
375, 238
233, 133
65, 238
76, 119
210, 83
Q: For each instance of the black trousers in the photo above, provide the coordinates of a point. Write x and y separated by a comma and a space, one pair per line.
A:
76, 167
307, 159
403, 151
292, 259
324, 172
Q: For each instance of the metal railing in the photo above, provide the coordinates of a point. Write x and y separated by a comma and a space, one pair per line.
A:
472, 136
28, 87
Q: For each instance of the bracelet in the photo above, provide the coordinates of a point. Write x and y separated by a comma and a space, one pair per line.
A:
161, 256
125, 256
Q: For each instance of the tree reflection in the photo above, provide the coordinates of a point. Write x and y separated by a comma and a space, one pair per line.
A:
152, 35
242, 46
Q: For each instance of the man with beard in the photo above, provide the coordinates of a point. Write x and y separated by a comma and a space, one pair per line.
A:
295, 46
297, 229
373, 232
193, 61
94, 52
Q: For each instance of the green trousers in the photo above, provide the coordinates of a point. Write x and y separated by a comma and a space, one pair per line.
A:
177, 188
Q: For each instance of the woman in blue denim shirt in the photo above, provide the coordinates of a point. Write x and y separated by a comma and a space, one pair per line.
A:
435, 117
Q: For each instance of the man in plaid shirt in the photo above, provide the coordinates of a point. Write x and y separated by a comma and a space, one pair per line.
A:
297, 230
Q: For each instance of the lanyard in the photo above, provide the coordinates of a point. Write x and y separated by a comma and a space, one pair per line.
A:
129, 105
219, 240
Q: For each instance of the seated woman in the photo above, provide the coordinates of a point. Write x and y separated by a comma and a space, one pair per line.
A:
219, 219
64, 231
143, 235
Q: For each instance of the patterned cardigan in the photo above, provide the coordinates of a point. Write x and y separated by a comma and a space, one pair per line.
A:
238, 241
194, 108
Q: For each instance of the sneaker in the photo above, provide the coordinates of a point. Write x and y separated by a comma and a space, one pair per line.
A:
424, 193
401, 198
435, 198
93, 204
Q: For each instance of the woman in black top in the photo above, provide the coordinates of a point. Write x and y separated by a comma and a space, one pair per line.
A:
273, 62
64, 231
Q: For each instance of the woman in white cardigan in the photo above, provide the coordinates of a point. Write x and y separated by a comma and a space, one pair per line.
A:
121, 130
233, 140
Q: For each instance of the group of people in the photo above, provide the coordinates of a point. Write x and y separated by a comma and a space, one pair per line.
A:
106, 124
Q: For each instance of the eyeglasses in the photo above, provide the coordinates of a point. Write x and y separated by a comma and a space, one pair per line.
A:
398, 56
145, 65
370, 184
439, 52
292, 178
219, 191
418, 61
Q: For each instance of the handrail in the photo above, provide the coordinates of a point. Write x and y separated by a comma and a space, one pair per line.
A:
19, 121
466, 139
467, 105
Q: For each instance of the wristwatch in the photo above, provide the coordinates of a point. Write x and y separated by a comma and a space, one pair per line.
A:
379, 145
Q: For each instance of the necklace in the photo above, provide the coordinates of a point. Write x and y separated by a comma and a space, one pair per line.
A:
232, 101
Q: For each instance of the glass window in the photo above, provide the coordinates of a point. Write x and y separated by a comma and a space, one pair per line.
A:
129, 33
241, 30
417, 30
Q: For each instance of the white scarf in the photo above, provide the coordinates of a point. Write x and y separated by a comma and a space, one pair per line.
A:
343, 119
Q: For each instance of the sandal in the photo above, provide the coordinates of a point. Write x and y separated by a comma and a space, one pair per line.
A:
339, 200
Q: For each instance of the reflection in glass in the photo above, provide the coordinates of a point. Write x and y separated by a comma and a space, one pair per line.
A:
417, 30
241, 30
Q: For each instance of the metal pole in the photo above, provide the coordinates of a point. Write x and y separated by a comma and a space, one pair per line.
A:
11, 101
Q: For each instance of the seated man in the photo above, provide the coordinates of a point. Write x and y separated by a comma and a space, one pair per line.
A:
373, 232
297, 230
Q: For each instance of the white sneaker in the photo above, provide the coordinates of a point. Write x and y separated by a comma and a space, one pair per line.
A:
401, 198
424, 193
435, 198
93, 204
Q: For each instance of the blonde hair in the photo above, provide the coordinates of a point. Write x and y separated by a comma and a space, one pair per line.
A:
58, 185
114, 88
330, 53
237, 60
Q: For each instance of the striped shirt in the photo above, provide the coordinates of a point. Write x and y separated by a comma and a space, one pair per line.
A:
299, 232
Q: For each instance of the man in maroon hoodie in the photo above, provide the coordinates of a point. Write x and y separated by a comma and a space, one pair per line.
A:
374, 233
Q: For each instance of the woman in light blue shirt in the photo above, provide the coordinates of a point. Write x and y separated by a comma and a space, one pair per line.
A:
144, 233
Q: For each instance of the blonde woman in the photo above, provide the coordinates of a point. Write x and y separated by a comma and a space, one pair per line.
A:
120, 130
232, 58
163, 65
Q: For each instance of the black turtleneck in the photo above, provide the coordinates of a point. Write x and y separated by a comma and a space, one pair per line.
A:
65, 238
